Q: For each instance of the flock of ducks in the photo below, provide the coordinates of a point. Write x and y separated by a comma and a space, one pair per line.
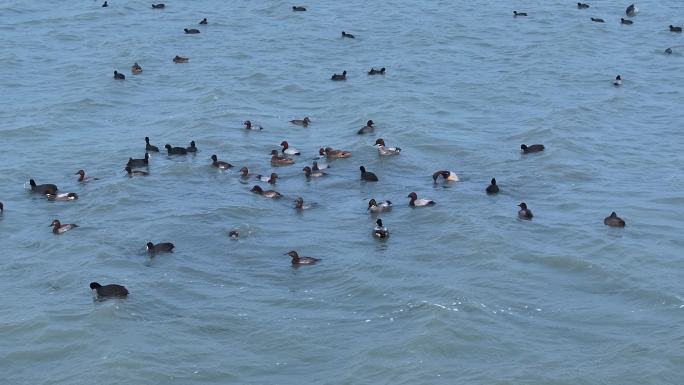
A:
284, 157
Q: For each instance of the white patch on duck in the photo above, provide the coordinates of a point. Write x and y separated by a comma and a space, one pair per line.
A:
419, 202
380, 231
449, 176
376, 207
287, 150
386, 151
62, 197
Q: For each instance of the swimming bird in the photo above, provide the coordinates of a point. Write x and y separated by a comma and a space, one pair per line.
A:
249, 126
516, 13
175, 150
165, 247
136, 68
493, 188
367, 175
349, 35
380, 231
668, 51
582, 5
180, 59
297, 260
244, 173
597, 20
191, 31
299, 204
82, 176
109, 291
305, 122
375, 207
119, 76
618, 81
524, 212
133, 173
139, 162
330, 153
287, 150
268, 193
296, 8
58, 228
149, 147
192, 147
308, 173
613, 220
43, 189
159, 6
627, 22
72, 196
2, 207
219, 163
373, 71
386, 151
340, 77
318, 167
530, 149
233, 234
449, 176
204, 21
269, 179
105, 4
367, 128
675, 29
631, 10
278, 160
415, 202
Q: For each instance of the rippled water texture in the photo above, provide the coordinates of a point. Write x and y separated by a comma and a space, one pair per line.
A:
462, 292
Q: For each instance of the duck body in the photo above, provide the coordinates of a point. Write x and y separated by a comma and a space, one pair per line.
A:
582, 5
192, 147
338, 77
347, 35
136, 69
618, 81
149, 147
626, 22
159, 6
287, 150
119, 76
368, 128
144, 162
386, 151
493, 188
72, 196
524, 212
204, 21
516, 14
532, 148
219, 163
133, 173
301, 122
379, 207
297, 260
249, 126
47, 188
83, 178
613, 220
109, 291
59, 228
367, 175
267, 193
296, 8
597, 20
175, 150
309, 173
280, 160
631, 10
379, 230
164, 247
675, 29
449, 176
300, 205
415, 202
373, 71
191, 31
180, 59
330, 153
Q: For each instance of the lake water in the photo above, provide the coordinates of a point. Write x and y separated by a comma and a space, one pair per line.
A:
462, 292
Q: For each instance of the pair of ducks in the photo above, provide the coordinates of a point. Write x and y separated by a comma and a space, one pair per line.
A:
181, 150
135, 69
612, 220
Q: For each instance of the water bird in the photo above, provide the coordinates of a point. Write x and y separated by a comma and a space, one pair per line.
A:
305, 122
136, 69
631, 11
299, 204
164, 247
191, 31
330, 153
349, 35
269, 179
675, 29
175, 150
287, 150
149, 147
582, 5
373, 71
233, 234
617, 81
449, 176
109, 291
192, 147
368, 128
204, 21
524, 212
379, 230
318, 167
340, 77
627, 22
668, 51
139, 162
159, 6
2, 207
367, 175
267, 193
244, 171
613, 220
530, 149
220, 164
379, 207
72, 196
280, 160
119, 76
249, 126
296, 8
309, 173
493, 188
82, 176
180, 59
415, 202
386, 151
297, 260
59, 228
105, 4
516, 13
133, 173
47, 188
597, 20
